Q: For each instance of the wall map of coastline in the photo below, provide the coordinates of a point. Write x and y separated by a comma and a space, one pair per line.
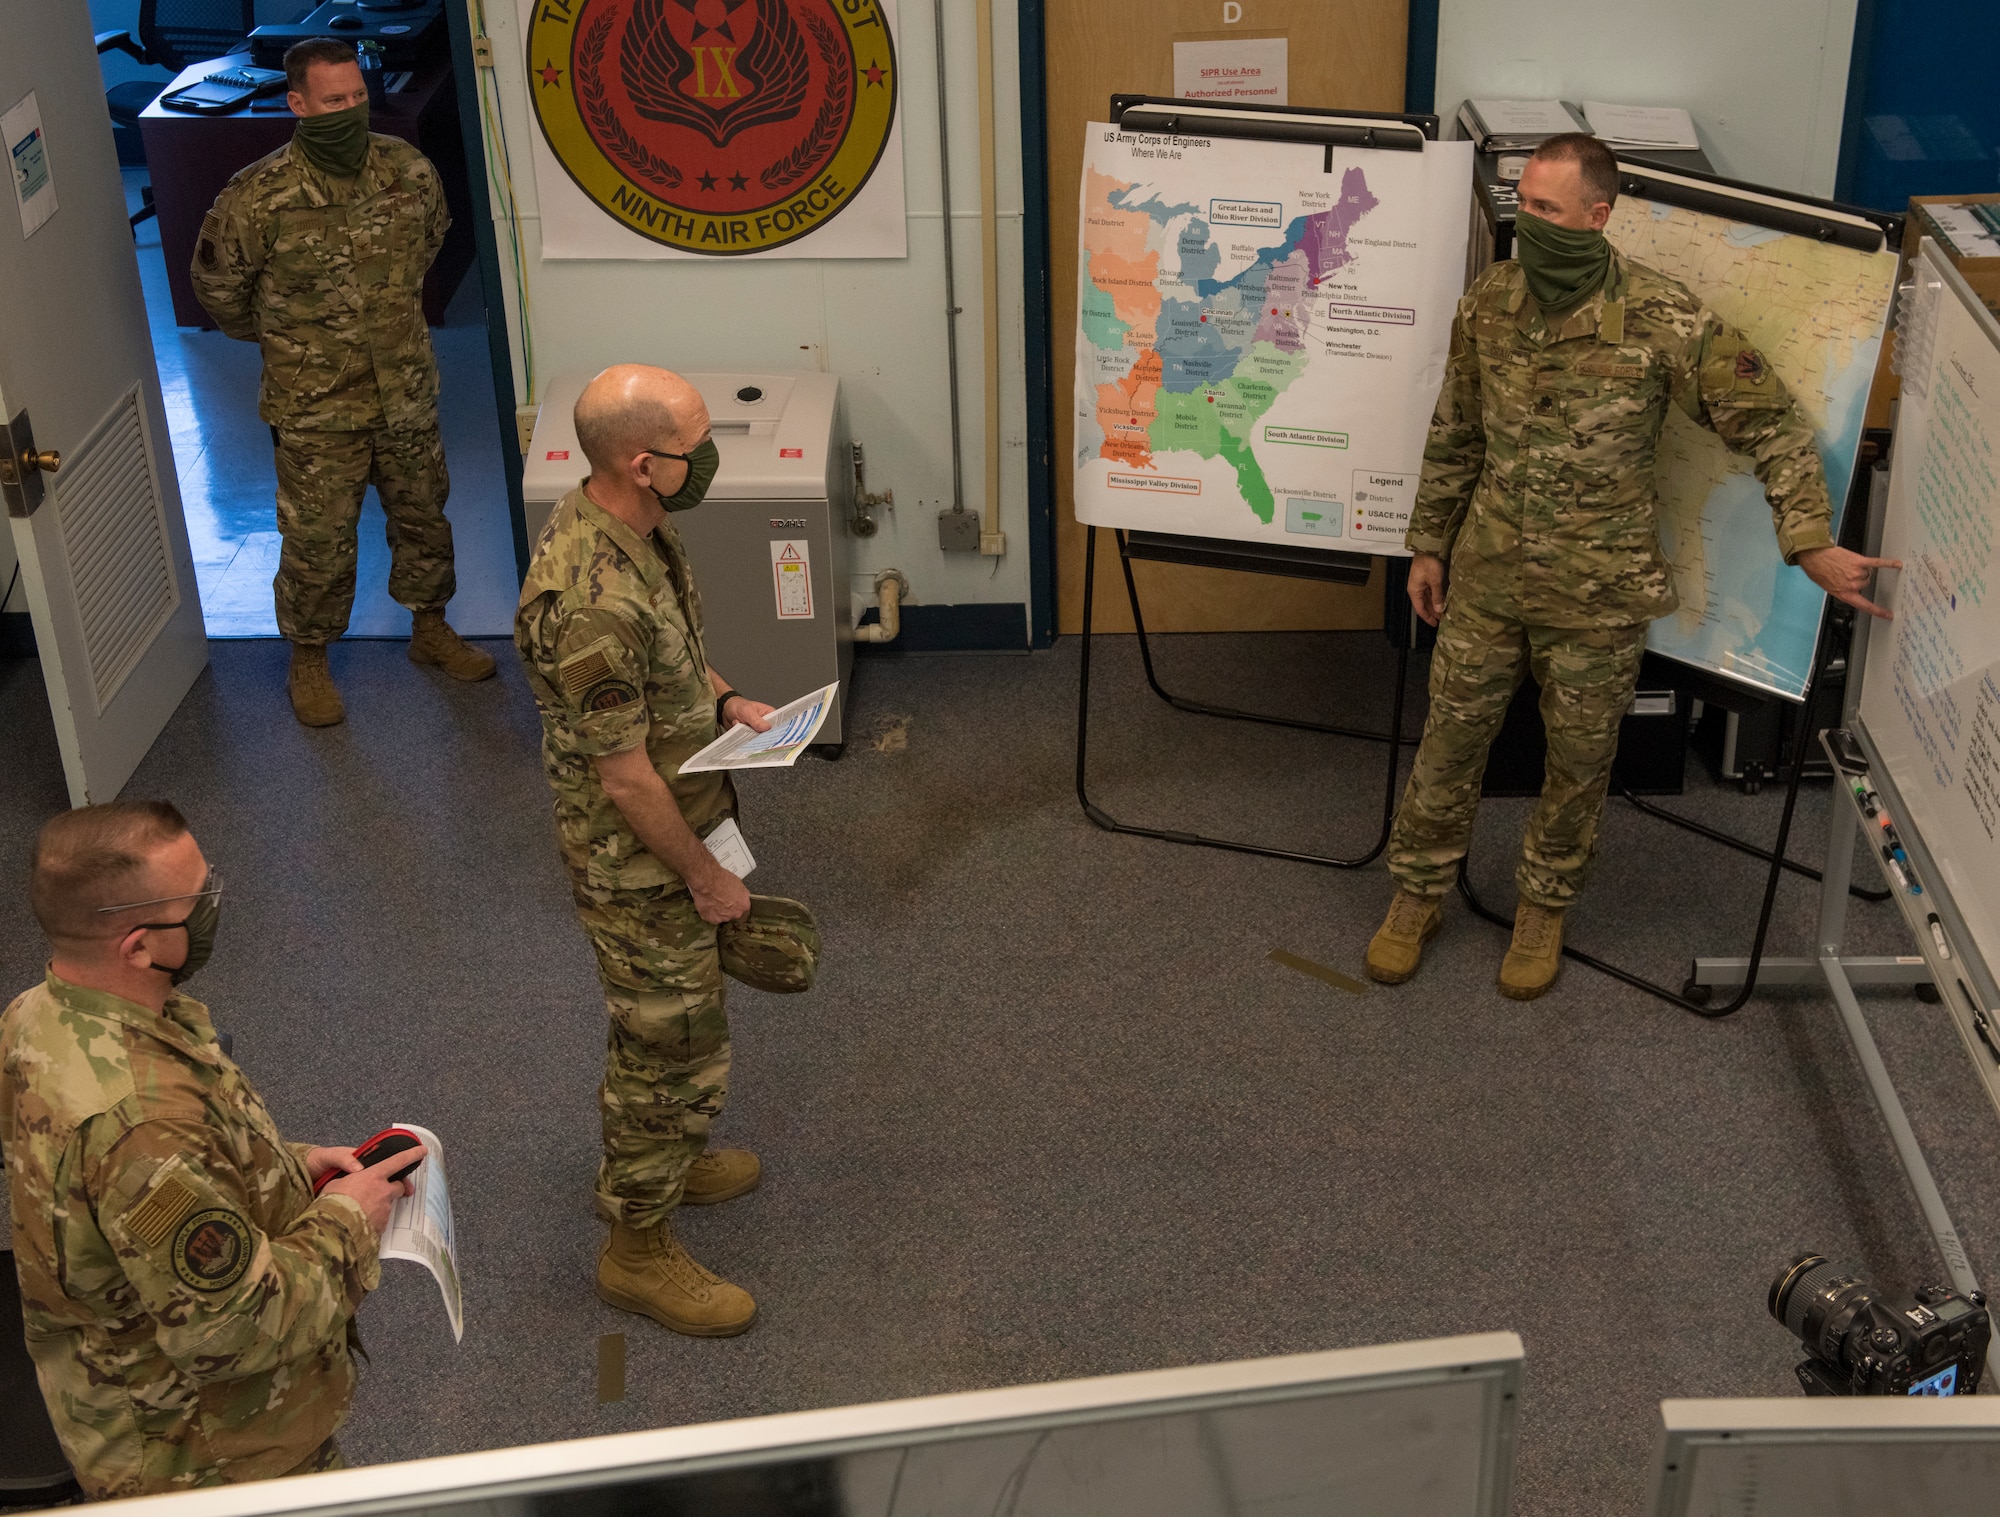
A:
1262, 334
1816, 311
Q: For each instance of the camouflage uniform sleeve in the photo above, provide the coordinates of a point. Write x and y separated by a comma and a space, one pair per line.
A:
1455, 451
1731, 388
227, 1299
595, 666
228, 256
437, 218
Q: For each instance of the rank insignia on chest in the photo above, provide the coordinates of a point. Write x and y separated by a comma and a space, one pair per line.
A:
212, 1249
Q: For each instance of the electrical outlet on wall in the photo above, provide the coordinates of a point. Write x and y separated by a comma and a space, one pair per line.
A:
958, 531
524, 425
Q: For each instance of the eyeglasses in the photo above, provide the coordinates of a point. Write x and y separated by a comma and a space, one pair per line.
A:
677, 457
211, 888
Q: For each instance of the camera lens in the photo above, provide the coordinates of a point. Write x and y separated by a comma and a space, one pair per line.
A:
1817, 1301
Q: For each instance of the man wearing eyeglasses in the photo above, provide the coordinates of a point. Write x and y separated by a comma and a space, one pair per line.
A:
610, 631
189, 1301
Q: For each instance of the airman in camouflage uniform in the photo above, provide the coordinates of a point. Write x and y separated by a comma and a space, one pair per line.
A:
1538, 488
189, 1302
325, 273
610, 631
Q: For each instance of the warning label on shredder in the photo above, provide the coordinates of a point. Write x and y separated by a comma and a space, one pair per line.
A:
791, 569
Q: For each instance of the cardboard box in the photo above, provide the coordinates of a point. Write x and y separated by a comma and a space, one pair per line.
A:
1983, 274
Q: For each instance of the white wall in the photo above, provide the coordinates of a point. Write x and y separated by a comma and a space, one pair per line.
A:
877, 323
1766, 80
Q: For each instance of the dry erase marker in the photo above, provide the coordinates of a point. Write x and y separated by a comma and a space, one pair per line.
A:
1981, 1026
1895, 869
1937, 937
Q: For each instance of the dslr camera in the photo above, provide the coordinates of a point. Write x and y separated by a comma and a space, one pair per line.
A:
1861, 1341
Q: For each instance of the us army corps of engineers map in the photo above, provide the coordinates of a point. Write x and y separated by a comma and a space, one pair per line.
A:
1262, 330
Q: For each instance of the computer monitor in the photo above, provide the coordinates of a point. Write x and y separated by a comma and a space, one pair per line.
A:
1409, 1430
1888, 1456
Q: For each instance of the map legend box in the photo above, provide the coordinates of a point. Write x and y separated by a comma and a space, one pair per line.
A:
1382, 503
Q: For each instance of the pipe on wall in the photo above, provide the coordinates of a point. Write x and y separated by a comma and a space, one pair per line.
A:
992, 541
890, 588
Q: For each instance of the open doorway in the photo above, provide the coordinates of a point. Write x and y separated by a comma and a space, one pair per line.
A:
223, 451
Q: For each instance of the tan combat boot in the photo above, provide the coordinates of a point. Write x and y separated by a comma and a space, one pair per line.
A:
1398, 944
650, 1273
1535, 956
721, 1174
315, 702
433, 642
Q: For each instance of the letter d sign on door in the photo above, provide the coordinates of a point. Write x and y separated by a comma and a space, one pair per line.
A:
1232, 12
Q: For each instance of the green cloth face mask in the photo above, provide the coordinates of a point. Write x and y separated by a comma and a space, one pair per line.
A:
1563, 265
335, 143
702, 464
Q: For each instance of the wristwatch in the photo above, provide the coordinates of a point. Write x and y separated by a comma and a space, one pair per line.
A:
722, 700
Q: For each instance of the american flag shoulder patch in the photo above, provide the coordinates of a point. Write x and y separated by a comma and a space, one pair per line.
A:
582, 670
153, 1218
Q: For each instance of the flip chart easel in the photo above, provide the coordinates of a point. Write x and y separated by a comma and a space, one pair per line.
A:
1332, 128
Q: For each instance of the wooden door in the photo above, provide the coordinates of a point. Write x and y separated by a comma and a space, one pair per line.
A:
1340, 53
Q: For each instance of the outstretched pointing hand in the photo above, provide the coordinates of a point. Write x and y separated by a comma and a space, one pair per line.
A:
1845, 575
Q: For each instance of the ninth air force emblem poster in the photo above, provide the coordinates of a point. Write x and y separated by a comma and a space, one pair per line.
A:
716, 128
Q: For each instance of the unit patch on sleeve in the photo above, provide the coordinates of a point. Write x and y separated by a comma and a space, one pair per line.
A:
1750, 365
153, 1218
609, 695
212, 1249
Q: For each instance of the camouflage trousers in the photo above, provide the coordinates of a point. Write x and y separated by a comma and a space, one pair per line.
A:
666, 1058
322, 479
1587, 677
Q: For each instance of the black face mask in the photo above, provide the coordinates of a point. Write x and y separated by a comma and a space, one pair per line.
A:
199, 925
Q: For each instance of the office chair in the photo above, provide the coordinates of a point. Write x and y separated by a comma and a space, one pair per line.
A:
172, 34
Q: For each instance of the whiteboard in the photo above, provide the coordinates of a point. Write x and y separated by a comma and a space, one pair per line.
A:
1882, 1456
1417, 1429
1930, 697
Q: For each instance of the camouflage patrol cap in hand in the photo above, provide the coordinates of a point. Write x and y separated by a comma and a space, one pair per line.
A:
774, 947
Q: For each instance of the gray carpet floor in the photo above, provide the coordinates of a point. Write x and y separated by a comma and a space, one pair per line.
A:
1051, 1110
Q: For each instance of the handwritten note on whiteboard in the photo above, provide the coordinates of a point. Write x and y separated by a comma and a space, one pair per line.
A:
1931, 697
